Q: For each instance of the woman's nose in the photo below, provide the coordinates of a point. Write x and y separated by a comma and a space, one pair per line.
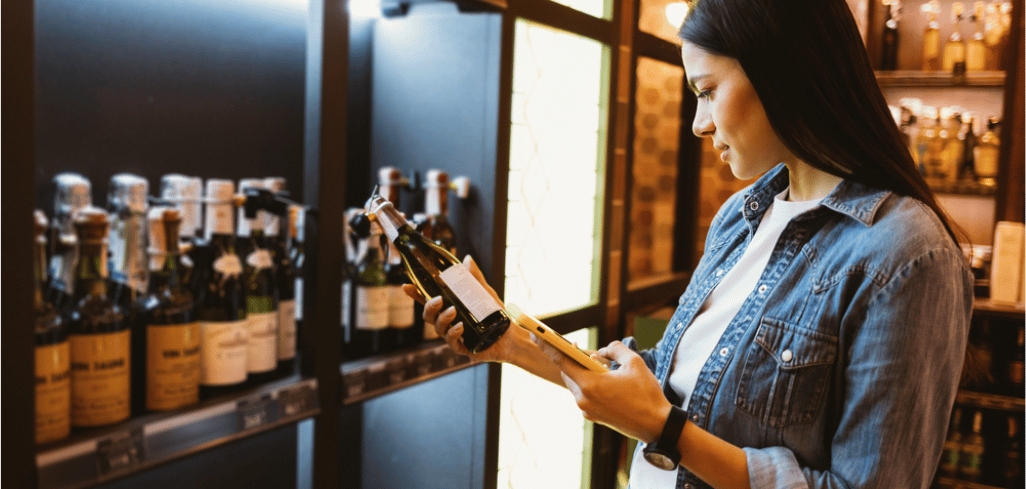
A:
702, 126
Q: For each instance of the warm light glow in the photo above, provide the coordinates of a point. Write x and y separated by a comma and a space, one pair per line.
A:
675, 13
365, 8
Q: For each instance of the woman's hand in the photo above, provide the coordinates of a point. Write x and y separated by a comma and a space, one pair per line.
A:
442, 320
628, 399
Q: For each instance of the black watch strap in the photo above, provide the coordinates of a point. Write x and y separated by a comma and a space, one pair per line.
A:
666, 446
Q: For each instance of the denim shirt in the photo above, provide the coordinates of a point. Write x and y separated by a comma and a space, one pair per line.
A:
841, 368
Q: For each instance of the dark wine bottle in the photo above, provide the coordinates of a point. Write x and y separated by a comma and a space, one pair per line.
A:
261, 292
435, 271
172, 332
224, 332
368, 299
52, 352
973, 449
889, 55
282, 234
297, 254
401, 319
436, 206
99, 335
952, 445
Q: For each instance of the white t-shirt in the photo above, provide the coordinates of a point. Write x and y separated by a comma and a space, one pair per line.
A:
718, 310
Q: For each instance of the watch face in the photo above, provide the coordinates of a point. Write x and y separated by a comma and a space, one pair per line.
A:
660, 460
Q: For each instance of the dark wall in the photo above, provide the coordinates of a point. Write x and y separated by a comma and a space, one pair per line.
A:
210, 89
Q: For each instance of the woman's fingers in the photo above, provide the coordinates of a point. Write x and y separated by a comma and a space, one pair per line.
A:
411, 290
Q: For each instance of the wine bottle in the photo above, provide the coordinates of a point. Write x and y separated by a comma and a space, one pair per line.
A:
172, 332
285, 273
352, 244
889, 55
261, 292
953, 60
129, 268
968, 137
422, 224
435, 271
402, 332
369, 299
436, 206
72, 192
1012, 463
976, 48
99, 335
931, 37
953, 147
223, 329
952, 445
52, 352
973, 448
297, 254
1016, 366
985, 155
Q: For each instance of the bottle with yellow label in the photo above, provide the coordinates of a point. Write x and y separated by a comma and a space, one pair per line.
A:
53, 354
172, 330
99, 334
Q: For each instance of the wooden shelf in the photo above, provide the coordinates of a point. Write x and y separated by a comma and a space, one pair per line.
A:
999, 309
907, 78
948, 482
990, 401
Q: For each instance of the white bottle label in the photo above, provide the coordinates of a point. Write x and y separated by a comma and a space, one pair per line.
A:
223, 348
228, 265
469, 291
400, 308
262, 355
371, 307
287, 330
260, 259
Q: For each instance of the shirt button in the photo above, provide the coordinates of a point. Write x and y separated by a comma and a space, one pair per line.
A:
680, 325
786, 356
724, 352
694, 417
688, 486
753, 206
762, 289
719, 272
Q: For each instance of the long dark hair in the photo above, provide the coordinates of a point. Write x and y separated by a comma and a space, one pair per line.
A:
812, 74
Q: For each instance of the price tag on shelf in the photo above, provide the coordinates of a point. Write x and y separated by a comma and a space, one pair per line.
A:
120, 452
256, 412
296, 400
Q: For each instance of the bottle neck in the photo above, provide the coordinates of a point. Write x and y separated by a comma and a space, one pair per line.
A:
39, 266
127, 245
91, 272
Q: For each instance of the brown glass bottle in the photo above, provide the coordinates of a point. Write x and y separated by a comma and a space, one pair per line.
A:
52, 352
99, 335
172, 331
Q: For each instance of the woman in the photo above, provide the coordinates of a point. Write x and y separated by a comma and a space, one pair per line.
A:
821, 339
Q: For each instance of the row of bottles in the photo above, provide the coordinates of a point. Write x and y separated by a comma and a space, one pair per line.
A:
950, 145
384, 251
984, 446
141, 308
978, 33
998, 350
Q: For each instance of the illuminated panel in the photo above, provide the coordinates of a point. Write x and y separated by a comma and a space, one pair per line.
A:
556, 170
657, 127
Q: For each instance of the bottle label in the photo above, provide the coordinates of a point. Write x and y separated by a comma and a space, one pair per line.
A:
53, 392
372, 307
400, 308
172, 366
469, 291
971, 459
262, 355
223, 348
287, 330
228, 264
260, 259
100, 378
299, 298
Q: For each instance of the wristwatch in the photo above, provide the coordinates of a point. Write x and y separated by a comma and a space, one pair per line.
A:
663, 452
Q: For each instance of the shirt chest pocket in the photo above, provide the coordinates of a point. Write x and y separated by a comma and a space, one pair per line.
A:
785, 373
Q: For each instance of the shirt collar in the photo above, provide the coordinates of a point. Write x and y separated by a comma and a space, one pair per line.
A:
853, 199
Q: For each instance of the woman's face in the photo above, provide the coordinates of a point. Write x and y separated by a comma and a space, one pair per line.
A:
729, 112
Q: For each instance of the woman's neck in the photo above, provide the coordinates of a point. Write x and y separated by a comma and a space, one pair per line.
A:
808, 183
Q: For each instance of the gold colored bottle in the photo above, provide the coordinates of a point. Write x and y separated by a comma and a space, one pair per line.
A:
954, 49
931, 37
953, 147
985, 155
976, 48
927, 143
